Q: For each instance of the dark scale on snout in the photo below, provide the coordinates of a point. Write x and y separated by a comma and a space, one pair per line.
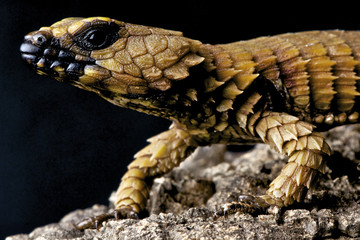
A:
279, 90
46, 56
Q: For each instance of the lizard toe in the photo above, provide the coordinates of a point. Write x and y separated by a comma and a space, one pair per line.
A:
96, 221
245, 204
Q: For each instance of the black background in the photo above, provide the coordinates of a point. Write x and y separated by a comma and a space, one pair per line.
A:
62, 148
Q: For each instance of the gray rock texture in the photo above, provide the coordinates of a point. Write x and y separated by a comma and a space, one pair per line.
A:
183, 202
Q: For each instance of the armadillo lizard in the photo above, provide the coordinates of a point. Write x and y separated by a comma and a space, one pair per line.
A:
280, 90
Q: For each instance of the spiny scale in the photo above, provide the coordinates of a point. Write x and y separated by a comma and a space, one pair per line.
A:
317, 71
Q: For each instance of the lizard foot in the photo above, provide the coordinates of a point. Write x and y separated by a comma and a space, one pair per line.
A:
246, 204
95, 222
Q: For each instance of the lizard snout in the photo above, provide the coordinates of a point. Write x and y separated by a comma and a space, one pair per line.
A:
44, 53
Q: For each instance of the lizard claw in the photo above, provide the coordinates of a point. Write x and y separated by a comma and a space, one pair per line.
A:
95, 222
245, 204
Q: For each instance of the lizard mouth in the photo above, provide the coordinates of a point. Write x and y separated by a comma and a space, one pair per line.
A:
44, 54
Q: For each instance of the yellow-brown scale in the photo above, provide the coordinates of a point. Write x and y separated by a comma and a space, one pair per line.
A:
224, 93
164, 152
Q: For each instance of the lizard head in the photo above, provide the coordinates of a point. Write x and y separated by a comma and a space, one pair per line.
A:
110, 57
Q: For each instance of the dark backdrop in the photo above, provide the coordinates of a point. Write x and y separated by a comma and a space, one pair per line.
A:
63, 148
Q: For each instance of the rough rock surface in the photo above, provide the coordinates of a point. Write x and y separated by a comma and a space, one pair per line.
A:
184, 200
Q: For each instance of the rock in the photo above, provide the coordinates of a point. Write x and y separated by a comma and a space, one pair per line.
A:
182, 202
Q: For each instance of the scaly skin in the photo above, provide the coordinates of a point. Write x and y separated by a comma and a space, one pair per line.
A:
275, 90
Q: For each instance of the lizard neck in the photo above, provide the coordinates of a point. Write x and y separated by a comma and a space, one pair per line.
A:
214, 98
177, 103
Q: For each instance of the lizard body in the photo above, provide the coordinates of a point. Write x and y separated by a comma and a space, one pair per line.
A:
276, 90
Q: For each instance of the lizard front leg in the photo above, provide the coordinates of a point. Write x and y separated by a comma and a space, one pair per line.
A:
165, 151
307, 151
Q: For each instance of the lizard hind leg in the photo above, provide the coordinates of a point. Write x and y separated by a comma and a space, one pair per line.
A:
307, 152
165, 151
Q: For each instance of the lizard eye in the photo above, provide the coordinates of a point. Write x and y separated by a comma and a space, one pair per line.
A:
98, 38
